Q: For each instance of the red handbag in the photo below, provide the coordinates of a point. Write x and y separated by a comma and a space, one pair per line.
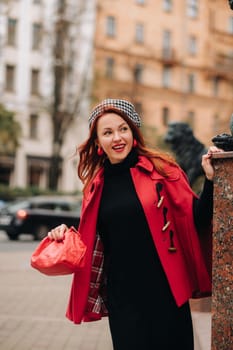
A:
62, 257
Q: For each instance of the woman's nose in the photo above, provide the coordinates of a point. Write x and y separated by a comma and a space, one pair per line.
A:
116, 136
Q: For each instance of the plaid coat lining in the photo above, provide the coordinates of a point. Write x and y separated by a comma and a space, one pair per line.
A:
97, 293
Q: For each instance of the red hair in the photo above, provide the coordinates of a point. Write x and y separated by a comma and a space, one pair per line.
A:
90, 162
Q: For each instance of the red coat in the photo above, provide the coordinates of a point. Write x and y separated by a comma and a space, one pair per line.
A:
185, 268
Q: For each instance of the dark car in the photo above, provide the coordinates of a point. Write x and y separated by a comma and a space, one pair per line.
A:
38, 215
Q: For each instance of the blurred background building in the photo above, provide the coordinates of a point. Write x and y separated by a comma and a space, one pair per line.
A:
172, 58
45, 74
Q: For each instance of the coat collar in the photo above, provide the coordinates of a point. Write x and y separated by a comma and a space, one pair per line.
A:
146, 164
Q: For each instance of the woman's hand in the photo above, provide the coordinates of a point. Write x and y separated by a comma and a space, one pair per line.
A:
207, 164
58, 232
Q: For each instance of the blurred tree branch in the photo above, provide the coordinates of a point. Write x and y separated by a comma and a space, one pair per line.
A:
70, 83
9, 132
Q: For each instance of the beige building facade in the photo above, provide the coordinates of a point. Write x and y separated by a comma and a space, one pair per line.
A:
172, 58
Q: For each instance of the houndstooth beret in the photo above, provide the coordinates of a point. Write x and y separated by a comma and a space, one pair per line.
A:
122, 106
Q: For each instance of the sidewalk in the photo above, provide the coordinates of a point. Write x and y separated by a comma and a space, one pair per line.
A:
202, 330
32, 308
201, 316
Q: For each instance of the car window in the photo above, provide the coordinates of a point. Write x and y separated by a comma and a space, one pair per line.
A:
73, 205
62, 206
76, 206
43, 206
55, 206
13, 207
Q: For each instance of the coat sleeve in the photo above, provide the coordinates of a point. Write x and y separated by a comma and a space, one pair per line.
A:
203, 207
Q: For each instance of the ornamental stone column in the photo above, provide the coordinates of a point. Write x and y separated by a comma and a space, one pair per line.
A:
222, 268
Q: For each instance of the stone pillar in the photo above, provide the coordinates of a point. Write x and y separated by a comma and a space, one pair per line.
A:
222, 297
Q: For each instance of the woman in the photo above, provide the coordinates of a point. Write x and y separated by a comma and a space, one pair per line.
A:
141, 223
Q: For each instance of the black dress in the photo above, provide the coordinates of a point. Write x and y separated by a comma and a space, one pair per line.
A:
142, 311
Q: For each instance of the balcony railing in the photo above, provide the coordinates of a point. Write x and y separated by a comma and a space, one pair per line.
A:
222, 67
168, 56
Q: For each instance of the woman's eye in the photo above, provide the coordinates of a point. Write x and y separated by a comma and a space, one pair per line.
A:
108, 132
124, 128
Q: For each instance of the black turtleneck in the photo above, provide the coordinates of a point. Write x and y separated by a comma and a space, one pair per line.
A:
124, 231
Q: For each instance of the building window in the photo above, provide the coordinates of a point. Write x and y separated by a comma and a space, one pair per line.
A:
139, 33
61, 5
216, 123
35, 75
216, 81
111, 26
167, 5
5, 173
11, 31
138, 108
166, 44
231, 25
138, 70
110, 63
33, 125
191, 118
192, 8
10, 78
191, 83
192, 45
36, 36
34, 174
166, 38
166, 76
165, 116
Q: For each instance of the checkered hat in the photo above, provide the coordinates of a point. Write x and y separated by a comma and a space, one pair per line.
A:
122, 106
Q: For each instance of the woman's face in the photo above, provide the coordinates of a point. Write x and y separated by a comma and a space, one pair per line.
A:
114, 136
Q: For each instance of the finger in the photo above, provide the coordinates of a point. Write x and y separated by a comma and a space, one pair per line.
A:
63, 228
214, 149
50, 235
58, 232
206, 157
53, 234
